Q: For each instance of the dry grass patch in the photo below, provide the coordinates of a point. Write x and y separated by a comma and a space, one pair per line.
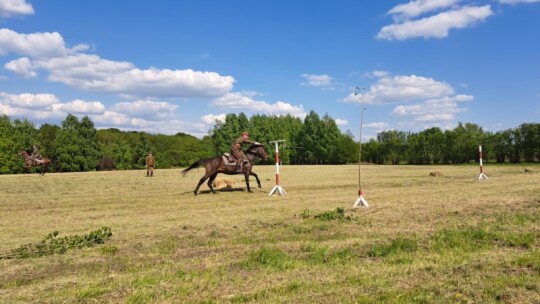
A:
452, 239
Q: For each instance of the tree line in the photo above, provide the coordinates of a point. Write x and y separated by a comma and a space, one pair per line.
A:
76, 145
457, 146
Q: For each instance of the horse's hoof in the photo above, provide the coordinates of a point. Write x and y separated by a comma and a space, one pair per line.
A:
194, 192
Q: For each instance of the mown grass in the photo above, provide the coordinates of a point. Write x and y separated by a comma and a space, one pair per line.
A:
450, 239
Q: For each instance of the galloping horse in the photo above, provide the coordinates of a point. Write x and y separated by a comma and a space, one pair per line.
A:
218, 164
29, 163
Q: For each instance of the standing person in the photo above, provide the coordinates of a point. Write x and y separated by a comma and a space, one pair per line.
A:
236, 150
150, 163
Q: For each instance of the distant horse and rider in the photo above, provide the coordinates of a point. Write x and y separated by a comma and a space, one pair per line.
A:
34, 160
237, 163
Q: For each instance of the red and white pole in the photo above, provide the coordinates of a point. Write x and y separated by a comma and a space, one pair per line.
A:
277, 165
277, 188
482, 175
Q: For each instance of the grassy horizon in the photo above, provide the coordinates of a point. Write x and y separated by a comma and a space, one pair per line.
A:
450, 239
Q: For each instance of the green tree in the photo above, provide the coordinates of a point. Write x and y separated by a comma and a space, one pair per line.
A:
47, 137
393, 145
529, 141
140, 151
346, 149
9, 161
77, 145
308, 138
224, 133
91, 149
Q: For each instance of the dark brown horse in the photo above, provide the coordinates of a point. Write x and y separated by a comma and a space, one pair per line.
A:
29, 163
216, 165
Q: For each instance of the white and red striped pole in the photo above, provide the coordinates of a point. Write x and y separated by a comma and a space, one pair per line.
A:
482, 175
277, 188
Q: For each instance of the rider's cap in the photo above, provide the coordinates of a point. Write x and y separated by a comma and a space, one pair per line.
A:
245, 133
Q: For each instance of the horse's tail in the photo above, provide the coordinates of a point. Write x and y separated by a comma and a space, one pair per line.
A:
196, 164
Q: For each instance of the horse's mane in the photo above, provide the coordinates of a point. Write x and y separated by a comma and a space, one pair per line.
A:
252, 147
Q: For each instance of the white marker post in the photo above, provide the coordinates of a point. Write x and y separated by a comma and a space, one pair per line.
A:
482, 176
277, 188
360, 200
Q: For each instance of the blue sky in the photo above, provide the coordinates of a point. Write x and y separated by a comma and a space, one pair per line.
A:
177, 66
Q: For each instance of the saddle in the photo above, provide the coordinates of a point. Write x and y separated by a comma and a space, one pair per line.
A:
38, 160
229, 160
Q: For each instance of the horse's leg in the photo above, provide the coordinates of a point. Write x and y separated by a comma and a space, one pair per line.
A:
256, 177
201, 181
246, 176
210, 181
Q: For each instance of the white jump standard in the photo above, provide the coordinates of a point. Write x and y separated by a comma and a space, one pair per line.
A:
277, 188
482, 176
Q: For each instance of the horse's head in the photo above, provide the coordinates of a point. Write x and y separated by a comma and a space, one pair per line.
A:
22, 153
259, 151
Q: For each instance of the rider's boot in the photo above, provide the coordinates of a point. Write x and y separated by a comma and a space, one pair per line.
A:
239, 167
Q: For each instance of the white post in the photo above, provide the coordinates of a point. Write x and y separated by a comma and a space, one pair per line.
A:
277, 188
360, 200
482, 176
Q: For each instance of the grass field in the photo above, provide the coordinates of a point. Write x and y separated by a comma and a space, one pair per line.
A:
450, 239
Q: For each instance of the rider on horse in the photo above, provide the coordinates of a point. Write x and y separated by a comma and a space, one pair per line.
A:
35, 154
236, 149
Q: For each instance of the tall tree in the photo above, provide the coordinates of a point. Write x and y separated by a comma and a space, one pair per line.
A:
140, 151
91, 149
9, 161
309, 138
77, 146
393, 144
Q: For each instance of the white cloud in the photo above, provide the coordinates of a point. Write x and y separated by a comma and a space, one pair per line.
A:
314, 80
517, 1
399, 88
28, 101
418, 7
437, 26
111, 119
376, 125
244, 101
128, 116
9, 8
45, 106
91, 73
47, 51
37, 45
210, 119
341, 122
436, 103
21, 66
28, 113
78, 106
433, 110
150, 110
